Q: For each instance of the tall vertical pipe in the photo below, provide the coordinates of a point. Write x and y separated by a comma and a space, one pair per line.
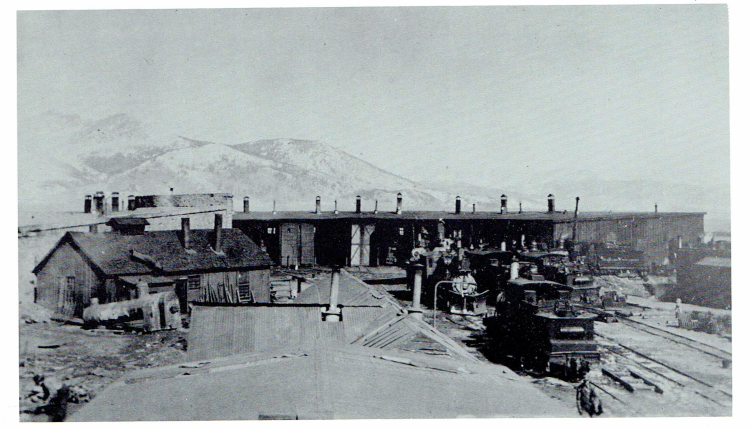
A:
334, 314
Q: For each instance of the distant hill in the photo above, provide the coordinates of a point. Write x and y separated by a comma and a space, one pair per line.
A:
63, 157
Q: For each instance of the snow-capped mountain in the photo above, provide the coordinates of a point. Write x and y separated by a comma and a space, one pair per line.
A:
63, 157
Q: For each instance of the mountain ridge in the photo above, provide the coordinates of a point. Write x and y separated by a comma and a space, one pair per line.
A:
63, 157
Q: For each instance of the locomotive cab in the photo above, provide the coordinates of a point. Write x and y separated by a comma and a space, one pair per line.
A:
536, 322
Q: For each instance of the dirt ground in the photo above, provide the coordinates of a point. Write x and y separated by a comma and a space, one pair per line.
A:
86, 360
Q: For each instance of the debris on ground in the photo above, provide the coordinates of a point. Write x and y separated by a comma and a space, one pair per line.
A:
622, 285
34, 313
84, 362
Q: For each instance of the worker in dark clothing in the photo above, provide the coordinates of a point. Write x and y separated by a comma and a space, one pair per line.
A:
587, 400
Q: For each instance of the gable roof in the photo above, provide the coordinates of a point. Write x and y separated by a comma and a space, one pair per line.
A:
377, 322
111, 253
322, 382
352, 292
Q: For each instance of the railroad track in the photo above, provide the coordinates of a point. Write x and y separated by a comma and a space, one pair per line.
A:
661, 372
671, 336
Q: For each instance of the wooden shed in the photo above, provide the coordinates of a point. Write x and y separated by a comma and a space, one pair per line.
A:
215, 265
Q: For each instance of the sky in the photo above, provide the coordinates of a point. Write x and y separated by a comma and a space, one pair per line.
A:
473, 94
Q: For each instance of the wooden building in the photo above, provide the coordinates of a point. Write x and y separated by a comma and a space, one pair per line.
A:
216, 265
388, 237
704, 277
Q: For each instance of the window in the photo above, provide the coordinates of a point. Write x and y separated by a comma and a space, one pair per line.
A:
194, 282
271, 230
401, 230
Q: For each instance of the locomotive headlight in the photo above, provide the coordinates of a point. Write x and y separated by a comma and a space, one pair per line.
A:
572, 330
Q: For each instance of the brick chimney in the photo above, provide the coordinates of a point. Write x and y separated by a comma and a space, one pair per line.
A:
87, 204
551, 203
458, 204
358, 207
218, 221
185, 232
317, 205
246, 204
503, 204
131, 202
399, 202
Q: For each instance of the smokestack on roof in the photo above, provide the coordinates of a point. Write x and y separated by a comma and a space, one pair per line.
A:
656, 208
358, 207
334, 314
99, 202
87, 204
218, 221
186, 232
399, 202
458, 204
317, 204
503, 204
246, 204
416, 307
376, 207
551, 203
115, 201
474, 208
335, 206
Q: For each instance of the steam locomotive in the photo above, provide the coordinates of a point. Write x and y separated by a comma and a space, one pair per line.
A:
536, 322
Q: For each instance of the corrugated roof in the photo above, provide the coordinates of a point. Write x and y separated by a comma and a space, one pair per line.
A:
217, 331
324, 382
436, 215
715, 261
111, 252
352, 292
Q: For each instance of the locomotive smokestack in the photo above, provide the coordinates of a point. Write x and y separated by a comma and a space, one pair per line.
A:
358, 207
514, 266
115, 201
186, 232
87, 204
551, 203
317, 205
131, 202
503, 204
399, 201
218, 221
458, 204
246, 204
